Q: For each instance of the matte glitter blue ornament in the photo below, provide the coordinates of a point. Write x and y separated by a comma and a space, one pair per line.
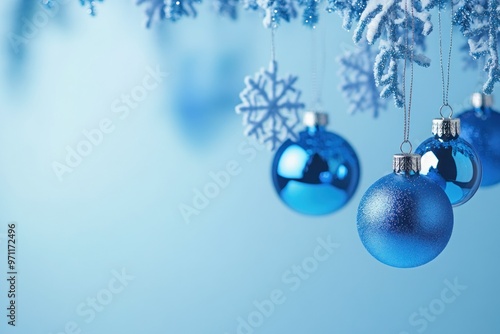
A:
451, 161
405, 219
481, 128
319, 173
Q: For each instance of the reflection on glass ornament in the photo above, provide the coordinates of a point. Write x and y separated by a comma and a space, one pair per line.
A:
451, 161
405, 219
481, 128
319, 173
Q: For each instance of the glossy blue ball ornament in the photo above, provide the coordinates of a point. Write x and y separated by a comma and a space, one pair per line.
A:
451, 161
405, 219
319, 173
481, 128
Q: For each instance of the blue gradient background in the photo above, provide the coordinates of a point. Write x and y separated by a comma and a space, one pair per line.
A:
120, 207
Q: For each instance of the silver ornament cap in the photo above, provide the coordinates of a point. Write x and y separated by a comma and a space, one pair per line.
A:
406, 163
446, 127
315, 118
480, 100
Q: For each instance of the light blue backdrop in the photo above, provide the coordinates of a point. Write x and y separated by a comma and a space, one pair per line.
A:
117, 214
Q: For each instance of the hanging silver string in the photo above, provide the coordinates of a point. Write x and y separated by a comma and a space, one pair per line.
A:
445, 81
317, 76
273, 46
322, 65
409, 48
314, 70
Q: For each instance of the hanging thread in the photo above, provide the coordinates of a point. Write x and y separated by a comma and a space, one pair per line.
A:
314, 70
445, 83
407, 110
273, 46
317, 77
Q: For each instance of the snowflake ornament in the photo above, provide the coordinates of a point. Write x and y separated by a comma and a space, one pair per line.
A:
270, 107
358, 83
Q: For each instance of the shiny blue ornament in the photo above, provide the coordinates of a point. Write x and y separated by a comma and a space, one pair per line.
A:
319, 173
481, 128
405, 219
451, 161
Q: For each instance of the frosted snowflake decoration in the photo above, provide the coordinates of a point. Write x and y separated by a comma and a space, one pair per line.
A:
358, 83
270, 107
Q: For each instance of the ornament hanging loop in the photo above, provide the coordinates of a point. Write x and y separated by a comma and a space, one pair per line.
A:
402, 146
446, 105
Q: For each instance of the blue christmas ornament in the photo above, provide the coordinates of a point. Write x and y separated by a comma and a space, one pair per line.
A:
451, 161
319, 173
481, 128
405, 219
